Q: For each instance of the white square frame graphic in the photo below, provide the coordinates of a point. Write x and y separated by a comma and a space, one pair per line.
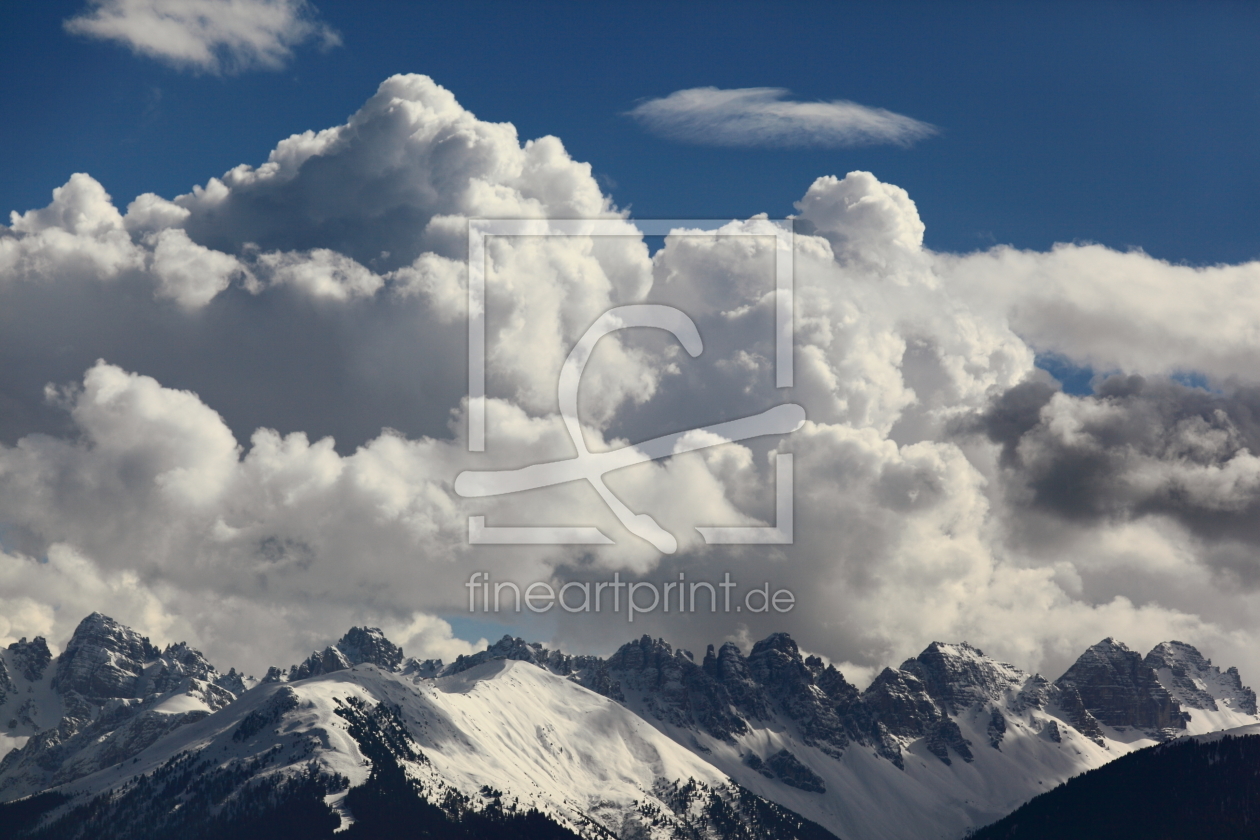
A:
479, 533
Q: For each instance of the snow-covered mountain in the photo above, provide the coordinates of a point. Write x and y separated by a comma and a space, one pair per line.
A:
121, 739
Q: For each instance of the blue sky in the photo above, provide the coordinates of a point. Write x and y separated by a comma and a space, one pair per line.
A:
1127, 124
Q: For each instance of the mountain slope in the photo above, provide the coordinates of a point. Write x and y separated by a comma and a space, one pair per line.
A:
648, 743
500, 732
1189, 789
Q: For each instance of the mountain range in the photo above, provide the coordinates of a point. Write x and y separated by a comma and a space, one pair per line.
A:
118, 738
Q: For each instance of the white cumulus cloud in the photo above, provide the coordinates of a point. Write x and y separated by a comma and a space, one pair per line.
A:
213, 36
763, 116
189, 483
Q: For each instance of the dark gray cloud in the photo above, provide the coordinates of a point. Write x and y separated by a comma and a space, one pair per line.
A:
1139, 446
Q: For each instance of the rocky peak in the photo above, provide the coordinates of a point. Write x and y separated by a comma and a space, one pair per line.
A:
506, 648
776, 662
368, 644
1247, 697
673, 687
30, 658
188, 661
645, 653
357, 646
1119, 689
327, 661
1194, 682
233, 682
175, 668
900, 701
897, 703
727, 665
959, 676
103, 659
731, 670
653, 665
842, 692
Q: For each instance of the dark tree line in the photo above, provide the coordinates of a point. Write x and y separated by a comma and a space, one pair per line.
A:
1186, 790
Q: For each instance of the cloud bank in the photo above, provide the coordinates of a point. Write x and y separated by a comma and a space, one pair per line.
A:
240, 412
710, 116
212, 36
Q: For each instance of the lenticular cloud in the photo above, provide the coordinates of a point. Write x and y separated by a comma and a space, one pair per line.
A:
764, 117
242, 410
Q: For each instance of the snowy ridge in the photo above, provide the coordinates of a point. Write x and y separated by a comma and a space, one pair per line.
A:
648, 743
1214, 700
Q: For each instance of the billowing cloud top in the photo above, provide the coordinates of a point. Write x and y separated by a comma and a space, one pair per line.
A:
214, 36
765, 117
240, 411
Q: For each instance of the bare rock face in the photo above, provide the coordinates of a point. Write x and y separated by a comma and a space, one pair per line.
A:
729, 667
789, 770
7, 688
960, 676
728, 693
1195, 683
369, 645
1119, 689
358, 646
103, 659
900, 702
899, 705
776, 664
326, 661
515, 649
1082, 719
996, 729
30, 658
674, 688
112, 684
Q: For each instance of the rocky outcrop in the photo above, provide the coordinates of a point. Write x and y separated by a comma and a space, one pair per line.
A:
959, 676
776, 664
7, 688
30, 659
674, 688
360, 645
788, 769
506, 648
996, 728
1082, 719
327, 661
898, 702
729, 667
369, 645
232, 681
1195, 683
1119, 689
113, 686
103, 659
